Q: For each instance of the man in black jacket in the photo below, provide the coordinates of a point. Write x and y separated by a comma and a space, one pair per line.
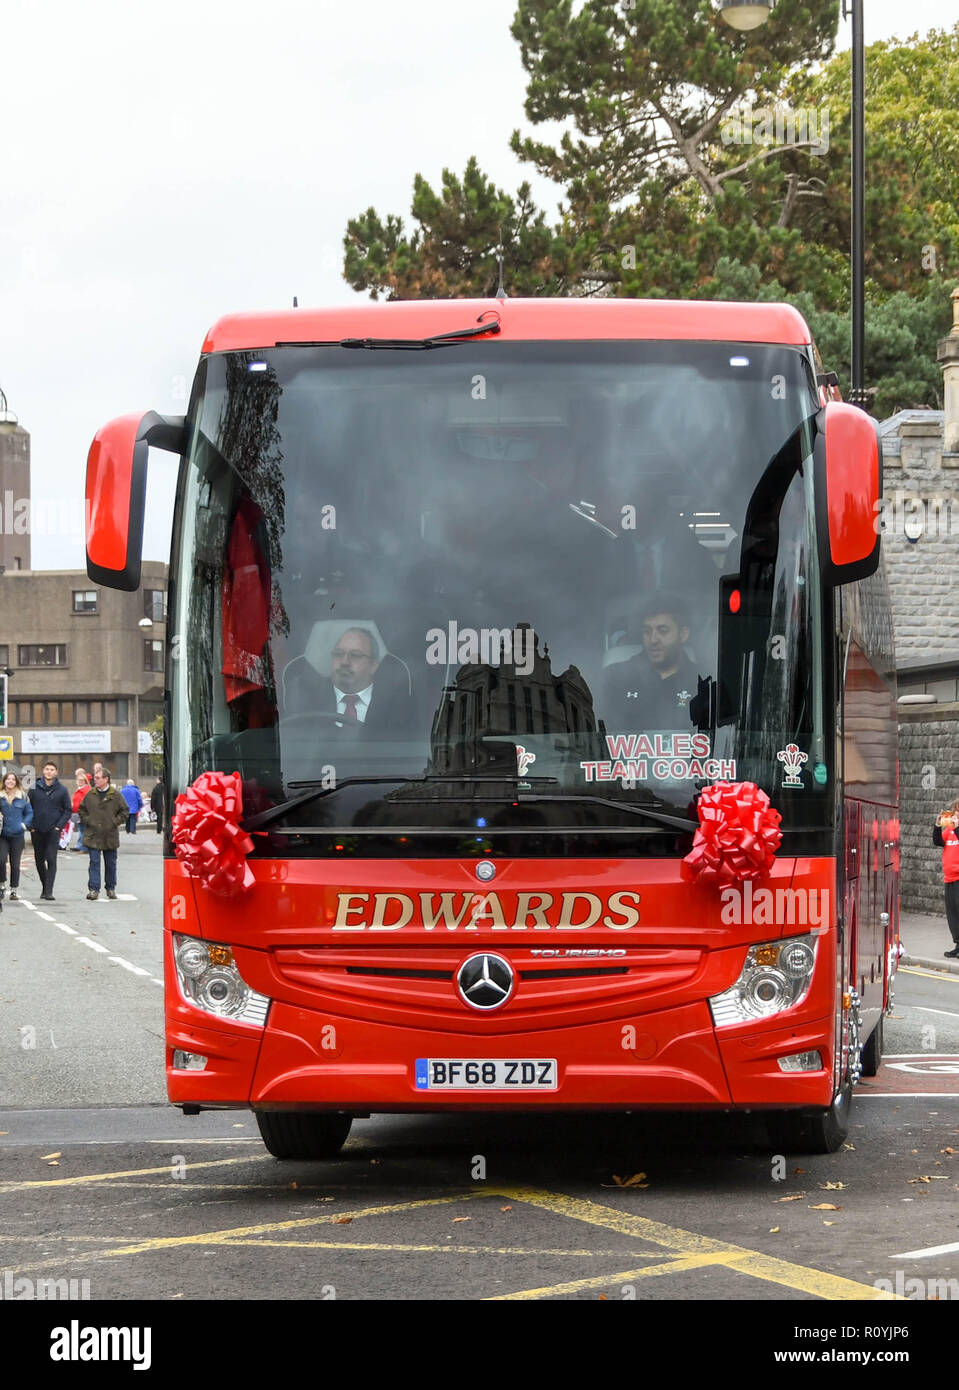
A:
51, 812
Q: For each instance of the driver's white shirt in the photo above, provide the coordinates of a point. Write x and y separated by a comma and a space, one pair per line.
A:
363, 698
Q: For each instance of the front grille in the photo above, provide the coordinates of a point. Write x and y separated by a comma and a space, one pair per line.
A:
392, 984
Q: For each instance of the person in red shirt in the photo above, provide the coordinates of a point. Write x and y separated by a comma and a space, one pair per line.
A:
946, 838
83, 786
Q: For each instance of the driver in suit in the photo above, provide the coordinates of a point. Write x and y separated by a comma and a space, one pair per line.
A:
353, 693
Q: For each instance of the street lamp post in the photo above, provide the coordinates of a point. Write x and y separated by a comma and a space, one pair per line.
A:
852, 9
749, 14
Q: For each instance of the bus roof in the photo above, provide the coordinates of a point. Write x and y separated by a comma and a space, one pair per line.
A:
693, 319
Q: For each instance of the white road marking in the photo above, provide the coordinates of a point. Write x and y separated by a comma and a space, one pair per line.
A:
905, 1095
46, 916
134, 969
920, 1008
127, 898
95, 945
156, 982
930, 1250
63, 927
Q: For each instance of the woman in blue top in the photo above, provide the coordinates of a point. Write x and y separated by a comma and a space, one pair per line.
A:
17, 818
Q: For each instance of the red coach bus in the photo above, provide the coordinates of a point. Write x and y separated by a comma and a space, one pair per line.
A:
481, 606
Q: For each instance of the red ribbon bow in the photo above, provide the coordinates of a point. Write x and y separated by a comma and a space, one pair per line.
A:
207, 834
738, 834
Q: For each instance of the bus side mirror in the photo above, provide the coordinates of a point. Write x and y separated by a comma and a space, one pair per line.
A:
116, 493
848, 488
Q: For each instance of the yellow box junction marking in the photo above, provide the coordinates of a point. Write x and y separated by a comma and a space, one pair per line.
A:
688, 1249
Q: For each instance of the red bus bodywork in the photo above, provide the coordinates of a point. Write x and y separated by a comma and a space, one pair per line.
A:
615, 960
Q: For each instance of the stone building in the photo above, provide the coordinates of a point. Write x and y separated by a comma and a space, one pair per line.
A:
920, 524
14, 492
85, 669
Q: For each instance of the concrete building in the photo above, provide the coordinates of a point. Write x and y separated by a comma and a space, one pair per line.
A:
14, 492
920, 524
86, 671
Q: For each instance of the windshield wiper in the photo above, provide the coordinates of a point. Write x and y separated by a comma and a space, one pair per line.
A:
316, 789
414, 344
674, 822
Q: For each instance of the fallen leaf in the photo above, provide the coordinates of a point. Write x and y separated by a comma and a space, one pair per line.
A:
796, 1197
634, 1180
947, 1151
461, 1218
829, 1223
46, 1156
604, 1298
344, 1221
923, 1179
799, 1170
825, 1206
54, 1163
506, 1208
774, 1230
832, 1186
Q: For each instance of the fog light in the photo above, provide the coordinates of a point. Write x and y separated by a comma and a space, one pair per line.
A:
800, 1061
188, 1061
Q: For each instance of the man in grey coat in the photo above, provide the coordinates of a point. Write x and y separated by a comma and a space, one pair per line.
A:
102, 812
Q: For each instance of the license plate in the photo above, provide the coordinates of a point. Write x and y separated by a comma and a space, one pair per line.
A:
485, 1074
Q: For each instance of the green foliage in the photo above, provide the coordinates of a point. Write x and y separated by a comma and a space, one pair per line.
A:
155, 730
661, 199
453, 252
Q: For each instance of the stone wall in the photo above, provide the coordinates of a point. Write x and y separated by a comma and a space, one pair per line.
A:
928, 782
921, 496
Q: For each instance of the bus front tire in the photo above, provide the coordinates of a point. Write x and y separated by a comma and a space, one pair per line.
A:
822, 1132
296, 1135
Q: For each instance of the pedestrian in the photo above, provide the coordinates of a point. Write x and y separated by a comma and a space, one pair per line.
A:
945, 838
156, 805
101, 814
134, 798
51, 812
17, 818
83, 786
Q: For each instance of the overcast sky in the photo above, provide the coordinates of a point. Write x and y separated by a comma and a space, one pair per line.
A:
163, 165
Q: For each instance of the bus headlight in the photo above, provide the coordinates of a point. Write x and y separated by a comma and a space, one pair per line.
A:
209, 979
776, 975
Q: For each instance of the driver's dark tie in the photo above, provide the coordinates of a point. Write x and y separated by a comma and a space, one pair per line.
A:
351, 701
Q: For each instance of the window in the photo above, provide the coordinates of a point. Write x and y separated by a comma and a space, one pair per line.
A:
4, 655
123, 712
154, 607
52, 654
151, 765
84, 600
153, 656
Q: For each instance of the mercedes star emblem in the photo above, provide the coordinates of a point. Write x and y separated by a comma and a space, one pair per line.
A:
485, 981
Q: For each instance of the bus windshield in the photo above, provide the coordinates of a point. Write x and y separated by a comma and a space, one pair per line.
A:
500, 584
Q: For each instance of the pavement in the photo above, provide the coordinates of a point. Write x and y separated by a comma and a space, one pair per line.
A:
924, 937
